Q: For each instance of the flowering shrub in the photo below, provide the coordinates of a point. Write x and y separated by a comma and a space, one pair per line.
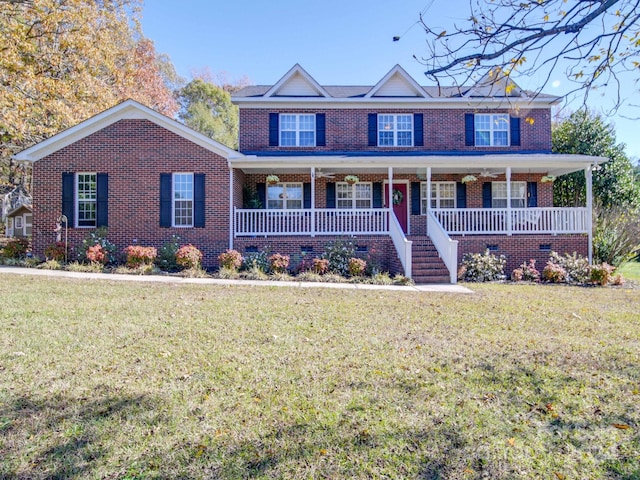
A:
357, 267
256, 261
166, 259
55, 251
320, 266
96, 254
231, 259
279, 263
554, 273
576, 266
526, 272
138, 256
98, 237
16, 248
338, 253
482, 267
188, 256
601, 274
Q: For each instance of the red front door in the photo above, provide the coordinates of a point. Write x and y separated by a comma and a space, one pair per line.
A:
399, 203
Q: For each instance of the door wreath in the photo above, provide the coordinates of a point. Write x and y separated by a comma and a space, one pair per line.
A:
397, 197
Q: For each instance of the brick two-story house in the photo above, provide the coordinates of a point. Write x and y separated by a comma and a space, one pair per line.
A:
469, 169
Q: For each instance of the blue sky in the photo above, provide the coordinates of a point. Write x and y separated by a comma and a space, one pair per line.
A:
337, 41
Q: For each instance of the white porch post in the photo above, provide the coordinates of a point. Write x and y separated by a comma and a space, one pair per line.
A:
313, 201
232, 220
589, 178
428, 194
508, 176
390, 196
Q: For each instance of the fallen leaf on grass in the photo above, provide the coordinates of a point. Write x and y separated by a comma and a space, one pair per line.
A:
621, 426
511, 441
559, 476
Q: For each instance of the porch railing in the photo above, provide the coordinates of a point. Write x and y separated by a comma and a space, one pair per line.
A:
554, 220
447, 248
321, 221
402, 244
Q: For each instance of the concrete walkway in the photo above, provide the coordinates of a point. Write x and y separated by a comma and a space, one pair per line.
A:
443, 287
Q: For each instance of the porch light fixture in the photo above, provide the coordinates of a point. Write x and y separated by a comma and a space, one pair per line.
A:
548, 178
272, 179
468, 178
351, 179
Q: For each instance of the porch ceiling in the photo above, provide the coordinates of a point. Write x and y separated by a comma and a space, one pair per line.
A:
462, 164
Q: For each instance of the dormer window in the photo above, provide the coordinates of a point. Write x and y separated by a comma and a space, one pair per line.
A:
395, 130
297, 130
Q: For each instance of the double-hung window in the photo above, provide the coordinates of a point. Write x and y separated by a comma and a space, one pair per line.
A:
285, 196
499, 194
86, 198
395, 130
359, 195
182, 199
297, 130
443, 195
492, 130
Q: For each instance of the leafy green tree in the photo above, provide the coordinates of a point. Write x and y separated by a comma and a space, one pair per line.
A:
207, 108
614, 183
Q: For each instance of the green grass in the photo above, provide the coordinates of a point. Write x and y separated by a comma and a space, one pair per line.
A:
630, 271
101, 379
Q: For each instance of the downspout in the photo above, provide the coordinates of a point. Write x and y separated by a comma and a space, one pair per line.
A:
232, 223
508, 177
588, 173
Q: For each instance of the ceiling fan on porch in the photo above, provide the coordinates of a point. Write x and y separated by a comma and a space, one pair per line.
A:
487, 174
321, 174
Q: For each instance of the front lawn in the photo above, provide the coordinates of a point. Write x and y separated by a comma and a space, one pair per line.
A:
630, 270
100, 379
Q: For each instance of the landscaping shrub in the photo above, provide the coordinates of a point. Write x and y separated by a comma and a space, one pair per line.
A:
256, 260
279, 263
188, 256
51, 265
96, 254
55, 251
225, 273
402, 280
16, 248
254, 273
230, 260
97, 237
615, 234
357, 267
381, 278
526, 272
602, 273
482, 267
554, 273
310, 276
85, 267
576, 267
138, 256
166, 259
338, 253
320, 266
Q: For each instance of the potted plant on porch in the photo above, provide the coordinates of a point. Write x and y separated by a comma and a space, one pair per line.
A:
272, 179
351, 179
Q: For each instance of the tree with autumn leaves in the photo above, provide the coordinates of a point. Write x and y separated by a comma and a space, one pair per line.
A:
62, 61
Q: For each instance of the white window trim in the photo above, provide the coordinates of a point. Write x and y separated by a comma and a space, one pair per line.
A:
285, 198
353, 196
395, 129
77, 201
513, 197
492, 123
173, 199
297, 129
19, 222
423, 197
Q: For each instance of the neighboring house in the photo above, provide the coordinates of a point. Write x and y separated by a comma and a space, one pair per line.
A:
469, 169
12, 198
18, 222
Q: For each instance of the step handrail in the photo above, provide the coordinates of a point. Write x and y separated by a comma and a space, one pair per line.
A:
447, 248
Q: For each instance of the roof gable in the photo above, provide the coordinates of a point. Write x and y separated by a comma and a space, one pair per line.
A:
128, 109
297, 83
397, 83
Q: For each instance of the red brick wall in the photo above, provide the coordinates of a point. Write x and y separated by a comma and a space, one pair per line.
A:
134, 153
347, 129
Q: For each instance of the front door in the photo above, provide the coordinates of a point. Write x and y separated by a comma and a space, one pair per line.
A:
399, 203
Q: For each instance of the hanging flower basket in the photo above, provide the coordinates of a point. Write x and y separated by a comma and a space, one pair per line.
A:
272, 179
351, 179
469, 178
548, 178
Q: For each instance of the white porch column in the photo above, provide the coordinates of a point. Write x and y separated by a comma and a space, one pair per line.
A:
390, 196
313, 201
508, 176
428, 195
232, 219
588, 173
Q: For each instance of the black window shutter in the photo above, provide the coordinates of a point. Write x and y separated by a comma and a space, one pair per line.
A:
68, 197
321, 139
532, 194
469, 129
274, 133
515, 132
373, 129
261, 190
165, 199
306, 195
415, 198
102, 200
377, 195
198, 200
418, 130
461, 195
486, 195
331, 195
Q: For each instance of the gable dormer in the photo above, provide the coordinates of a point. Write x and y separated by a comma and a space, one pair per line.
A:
297, 83
495, 83
397, 83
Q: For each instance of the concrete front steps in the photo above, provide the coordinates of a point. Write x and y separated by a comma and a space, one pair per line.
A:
427, 266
